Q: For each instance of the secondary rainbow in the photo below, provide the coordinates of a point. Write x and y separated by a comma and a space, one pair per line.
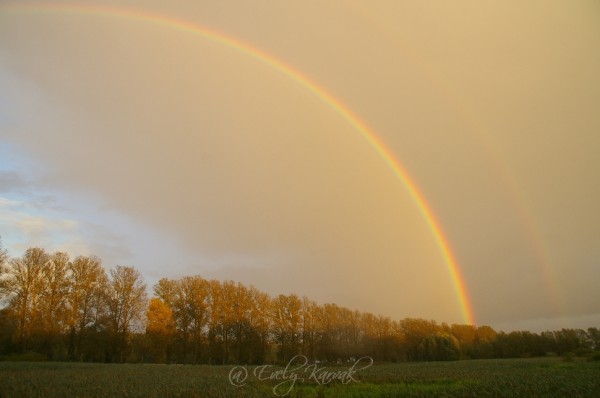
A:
269, 60
505, 177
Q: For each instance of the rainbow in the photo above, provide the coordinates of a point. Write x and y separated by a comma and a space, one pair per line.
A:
335, 104
524, 212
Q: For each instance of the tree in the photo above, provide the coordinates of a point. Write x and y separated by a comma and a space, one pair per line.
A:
385, 338
7, 324
328, 320
594, 337
466, 336
230, 309
568, 340
348, 332
287, 319
192, 304
414, 330
166, 289
439, 347
260, 322
160, 329
85, 301
170, 292
484, 340
53, 305
217, 336
309, 328
3, 273
189, 300
240, 301
24, 287
126, 303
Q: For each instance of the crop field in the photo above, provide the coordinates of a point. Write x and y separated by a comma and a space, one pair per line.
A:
543, 377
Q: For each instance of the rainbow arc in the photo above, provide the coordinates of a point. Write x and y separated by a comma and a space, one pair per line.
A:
319, 91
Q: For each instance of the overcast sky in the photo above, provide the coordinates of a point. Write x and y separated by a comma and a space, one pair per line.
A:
155, 147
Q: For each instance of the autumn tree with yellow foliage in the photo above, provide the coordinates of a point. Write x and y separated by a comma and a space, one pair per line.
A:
56, 308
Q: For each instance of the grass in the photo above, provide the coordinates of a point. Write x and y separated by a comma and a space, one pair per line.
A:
542, 377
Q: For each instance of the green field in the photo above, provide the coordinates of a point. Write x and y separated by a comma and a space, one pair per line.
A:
543, 377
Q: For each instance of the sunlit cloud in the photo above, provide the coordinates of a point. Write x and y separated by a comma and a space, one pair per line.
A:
141, 142
22, 229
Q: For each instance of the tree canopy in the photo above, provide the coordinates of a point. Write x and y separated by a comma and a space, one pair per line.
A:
60, 308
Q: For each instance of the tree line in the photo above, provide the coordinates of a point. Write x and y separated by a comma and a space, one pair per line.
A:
57, 308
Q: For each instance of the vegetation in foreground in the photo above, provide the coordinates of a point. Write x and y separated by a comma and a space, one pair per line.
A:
539, 377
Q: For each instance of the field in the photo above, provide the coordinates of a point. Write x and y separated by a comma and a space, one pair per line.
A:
543, 377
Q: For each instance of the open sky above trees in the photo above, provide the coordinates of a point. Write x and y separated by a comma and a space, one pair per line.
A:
152, 146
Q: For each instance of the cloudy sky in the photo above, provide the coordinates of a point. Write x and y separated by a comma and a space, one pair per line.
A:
150, 145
